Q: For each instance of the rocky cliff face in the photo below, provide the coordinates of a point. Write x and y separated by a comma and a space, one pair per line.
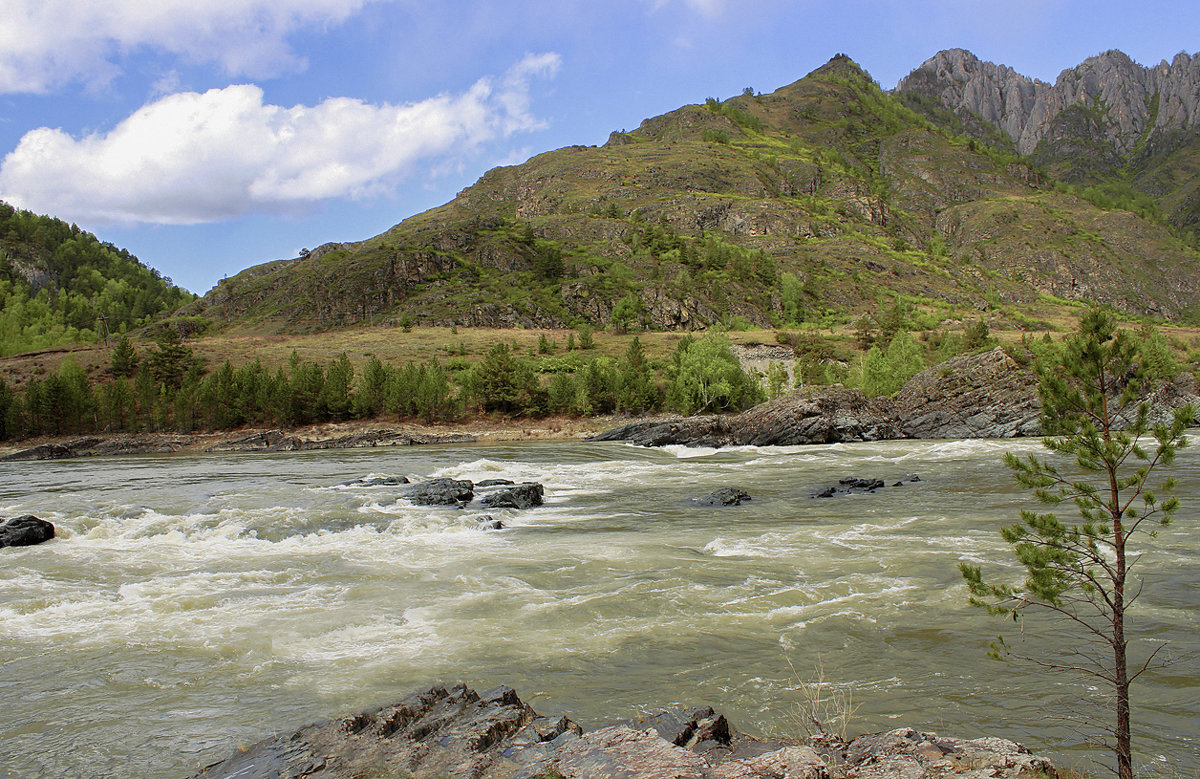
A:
1122, 102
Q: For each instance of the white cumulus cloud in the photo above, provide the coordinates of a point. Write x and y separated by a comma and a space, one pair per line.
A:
191, 157
45, 43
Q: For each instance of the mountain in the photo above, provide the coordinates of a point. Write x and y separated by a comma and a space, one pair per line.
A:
1107, 121
819, 201
58, 282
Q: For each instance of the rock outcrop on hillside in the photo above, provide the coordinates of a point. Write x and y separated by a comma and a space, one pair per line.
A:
457, 732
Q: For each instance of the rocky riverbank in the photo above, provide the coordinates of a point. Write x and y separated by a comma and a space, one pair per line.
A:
458, 732
987, 395
346, 435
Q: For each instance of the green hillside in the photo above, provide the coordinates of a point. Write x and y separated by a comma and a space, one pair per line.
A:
57, 282
813, 203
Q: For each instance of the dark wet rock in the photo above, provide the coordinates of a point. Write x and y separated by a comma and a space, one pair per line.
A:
25, 530
519, 496
493, 483
488, 522
856, 486
688, 728
440, 492
457, 732
726, 496
377, 481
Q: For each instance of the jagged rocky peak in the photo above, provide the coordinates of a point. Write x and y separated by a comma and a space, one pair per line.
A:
960, 80
1124, 98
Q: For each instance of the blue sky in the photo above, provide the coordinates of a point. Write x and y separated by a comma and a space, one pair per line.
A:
209, 137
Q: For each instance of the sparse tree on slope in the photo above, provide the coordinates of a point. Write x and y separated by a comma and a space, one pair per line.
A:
1104, 454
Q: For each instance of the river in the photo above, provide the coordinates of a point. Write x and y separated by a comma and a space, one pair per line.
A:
194, 603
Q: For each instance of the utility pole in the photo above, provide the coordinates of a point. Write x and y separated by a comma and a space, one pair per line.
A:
102, 328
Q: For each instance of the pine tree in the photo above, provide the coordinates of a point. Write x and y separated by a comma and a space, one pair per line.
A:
637, 393
368, 395
124, 359
335, 392
1096, 422
563, 394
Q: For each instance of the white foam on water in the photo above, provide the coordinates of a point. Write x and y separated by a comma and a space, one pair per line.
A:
410, 635
770, 545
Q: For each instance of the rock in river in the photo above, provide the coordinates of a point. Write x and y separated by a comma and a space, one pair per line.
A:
26, 530
518, 496
856, 486
726, 496
441, 492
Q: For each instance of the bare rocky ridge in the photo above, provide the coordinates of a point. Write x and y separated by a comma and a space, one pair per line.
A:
1133, 100
457, 732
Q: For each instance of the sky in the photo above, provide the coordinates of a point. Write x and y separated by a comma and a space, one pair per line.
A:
208, 137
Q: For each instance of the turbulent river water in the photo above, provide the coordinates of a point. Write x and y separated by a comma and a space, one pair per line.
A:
194, 603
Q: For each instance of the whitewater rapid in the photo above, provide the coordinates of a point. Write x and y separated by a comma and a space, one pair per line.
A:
194, 602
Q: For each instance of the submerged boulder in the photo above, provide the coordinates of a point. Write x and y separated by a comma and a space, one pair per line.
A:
726, 496
25, 530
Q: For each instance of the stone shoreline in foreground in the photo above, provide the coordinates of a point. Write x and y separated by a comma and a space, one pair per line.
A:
457, 732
